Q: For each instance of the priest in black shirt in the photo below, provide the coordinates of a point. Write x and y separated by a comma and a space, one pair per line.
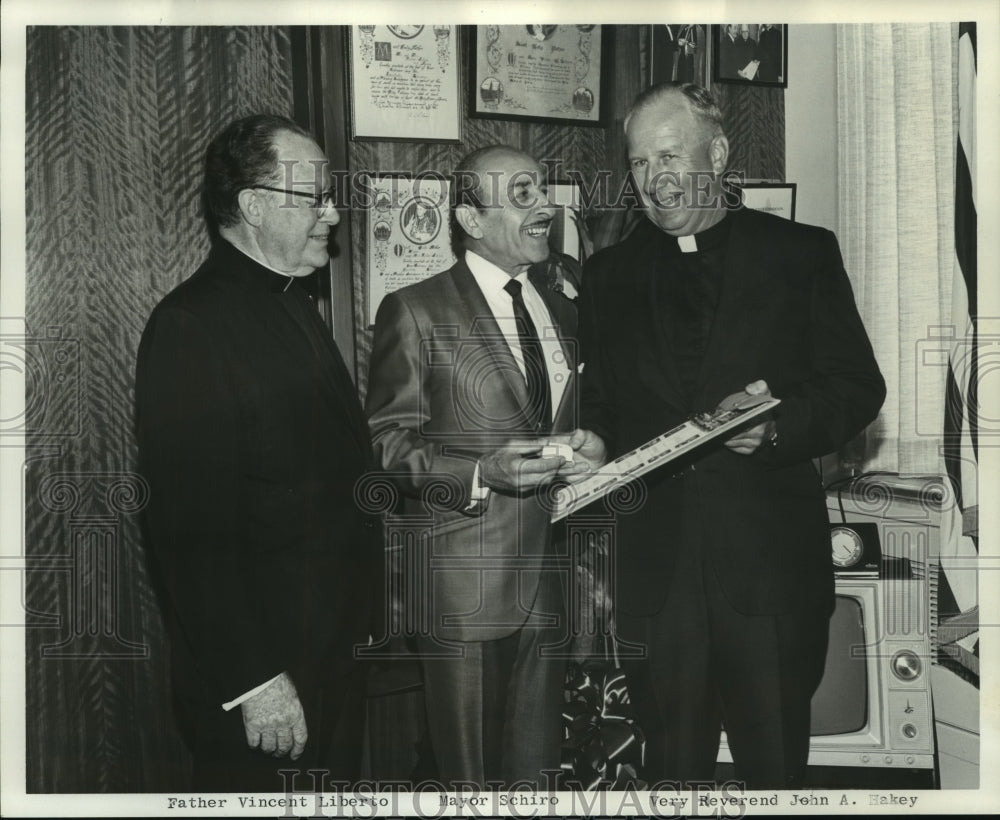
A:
724, 572
252, 440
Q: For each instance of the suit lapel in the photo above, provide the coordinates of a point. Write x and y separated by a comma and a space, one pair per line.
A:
310, 334
656, 360
563, 314
732, 334
337, 384
346, 392
483, 326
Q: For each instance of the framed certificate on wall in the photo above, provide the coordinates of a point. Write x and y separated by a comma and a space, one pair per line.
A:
406, 234
404, 83
545, 73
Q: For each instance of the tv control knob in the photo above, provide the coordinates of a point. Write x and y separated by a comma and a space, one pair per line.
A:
866, 758
909, 730
910, 760
906, 665
888, 759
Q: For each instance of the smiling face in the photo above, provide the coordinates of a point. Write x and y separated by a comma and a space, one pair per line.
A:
512, 229
675, 159
293, 235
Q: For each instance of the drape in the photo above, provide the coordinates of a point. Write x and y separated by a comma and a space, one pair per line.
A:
897, 120
117, 121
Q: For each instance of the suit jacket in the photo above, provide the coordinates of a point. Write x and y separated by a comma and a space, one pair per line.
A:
769, 54
443, 390
730, 52
786, 314
252, 438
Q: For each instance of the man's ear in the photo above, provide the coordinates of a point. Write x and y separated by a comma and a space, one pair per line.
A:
718, 151
469, 218
251, 207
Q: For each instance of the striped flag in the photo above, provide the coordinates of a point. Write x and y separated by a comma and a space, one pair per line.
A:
961, 445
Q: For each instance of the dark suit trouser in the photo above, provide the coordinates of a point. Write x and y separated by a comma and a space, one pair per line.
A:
710, 665
495, 714
222, 761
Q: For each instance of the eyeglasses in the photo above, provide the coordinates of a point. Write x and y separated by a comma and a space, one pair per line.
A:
320, 202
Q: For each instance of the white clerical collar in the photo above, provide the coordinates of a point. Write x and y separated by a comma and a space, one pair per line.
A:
687, 244
264, 264
488, 276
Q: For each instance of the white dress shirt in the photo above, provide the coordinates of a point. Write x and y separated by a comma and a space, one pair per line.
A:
491, 281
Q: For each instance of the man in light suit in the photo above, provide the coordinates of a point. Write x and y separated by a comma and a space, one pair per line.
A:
471, 371
724, 574
252, 438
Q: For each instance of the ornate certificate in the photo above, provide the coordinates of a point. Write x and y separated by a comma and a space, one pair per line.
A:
733, 412
404, 83
407, 234
545, 72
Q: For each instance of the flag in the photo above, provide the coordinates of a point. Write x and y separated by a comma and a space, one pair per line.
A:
960, 440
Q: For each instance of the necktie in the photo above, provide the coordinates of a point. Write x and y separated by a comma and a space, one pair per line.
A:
539, 408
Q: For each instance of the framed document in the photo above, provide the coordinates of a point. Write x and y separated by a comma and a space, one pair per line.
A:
550, 73
406, 235
404, 83
774, 197
751, 54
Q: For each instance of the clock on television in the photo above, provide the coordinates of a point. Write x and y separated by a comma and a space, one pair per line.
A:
855, 548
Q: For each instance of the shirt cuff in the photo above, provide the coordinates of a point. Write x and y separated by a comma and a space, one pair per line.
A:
477, 494
232, 704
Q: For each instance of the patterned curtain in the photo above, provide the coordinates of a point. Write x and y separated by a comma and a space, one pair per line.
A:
117, 120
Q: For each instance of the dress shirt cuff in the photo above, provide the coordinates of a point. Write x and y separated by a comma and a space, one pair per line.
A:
232, 704
478, 493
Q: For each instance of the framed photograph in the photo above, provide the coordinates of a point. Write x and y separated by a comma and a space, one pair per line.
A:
405, 83
751, 53
550, 73
678, 53
774, 197
406, 233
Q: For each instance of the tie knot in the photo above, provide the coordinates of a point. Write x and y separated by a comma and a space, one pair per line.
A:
513, 287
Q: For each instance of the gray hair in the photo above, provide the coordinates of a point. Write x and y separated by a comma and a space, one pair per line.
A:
700, 101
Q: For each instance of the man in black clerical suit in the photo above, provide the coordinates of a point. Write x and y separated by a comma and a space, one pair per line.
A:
746, 47
769, 53
724, 572
252, 438
730, 53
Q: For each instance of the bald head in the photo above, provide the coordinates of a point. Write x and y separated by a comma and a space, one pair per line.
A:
472, 174
500, 209
475, 183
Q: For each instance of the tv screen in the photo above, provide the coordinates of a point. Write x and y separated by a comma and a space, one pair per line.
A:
840, 705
